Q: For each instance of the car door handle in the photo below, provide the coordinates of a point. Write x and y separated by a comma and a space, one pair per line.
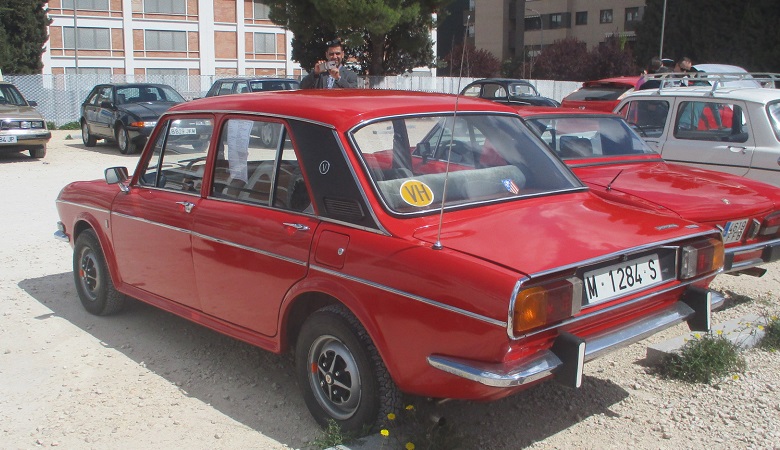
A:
297, 226
735, 149
187, 206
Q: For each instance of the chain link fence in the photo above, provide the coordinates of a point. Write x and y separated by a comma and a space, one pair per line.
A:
59, 97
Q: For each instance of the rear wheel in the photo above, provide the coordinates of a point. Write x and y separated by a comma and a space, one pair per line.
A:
341, 373
126, 146
86, 136
93, 282
38, 152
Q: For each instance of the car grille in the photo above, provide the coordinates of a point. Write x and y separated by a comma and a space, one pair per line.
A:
21, 124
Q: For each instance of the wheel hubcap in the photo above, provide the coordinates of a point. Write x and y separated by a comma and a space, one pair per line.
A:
122, 139
88, 275
334, 377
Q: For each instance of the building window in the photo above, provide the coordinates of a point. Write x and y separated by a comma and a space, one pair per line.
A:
581, 18
165, 41
93, 5
88, 38
165, 6
533, 23
265, 43
632, 14
556, 20
103, 71
260, 9
605, 16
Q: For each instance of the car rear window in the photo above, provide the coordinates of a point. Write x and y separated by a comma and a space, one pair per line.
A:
414, 162
596, 93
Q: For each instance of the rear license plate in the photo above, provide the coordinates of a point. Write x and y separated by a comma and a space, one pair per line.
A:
733, 231
620, 279
7, 139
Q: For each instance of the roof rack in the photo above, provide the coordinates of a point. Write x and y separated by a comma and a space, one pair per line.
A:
716, 80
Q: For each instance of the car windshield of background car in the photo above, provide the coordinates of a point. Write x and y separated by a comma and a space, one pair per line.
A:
487, 158
573, 137
9, 95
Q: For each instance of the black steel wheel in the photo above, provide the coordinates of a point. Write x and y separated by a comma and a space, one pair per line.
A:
93, 281
341, 373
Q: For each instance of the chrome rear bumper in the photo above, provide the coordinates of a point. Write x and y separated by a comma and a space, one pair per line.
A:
562, 360
770, 251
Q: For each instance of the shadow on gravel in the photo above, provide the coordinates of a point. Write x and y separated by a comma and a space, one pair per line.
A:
103, 147
250, 385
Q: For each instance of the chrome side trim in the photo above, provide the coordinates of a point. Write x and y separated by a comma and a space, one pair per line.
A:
249, 249
80, 205
768, 248
147, 221
427, 301
524, 371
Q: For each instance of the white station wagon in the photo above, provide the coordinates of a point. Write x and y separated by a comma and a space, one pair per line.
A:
709, 125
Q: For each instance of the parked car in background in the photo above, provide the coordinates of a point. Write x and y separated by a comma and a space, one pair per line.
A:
226, 86
600, 95
21, 126
616, 164
125, 113
338, 242
729, 129
741, 77
508, 91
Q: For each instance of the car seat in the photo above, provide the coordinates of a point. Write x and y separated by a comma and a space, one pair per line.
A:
575, 147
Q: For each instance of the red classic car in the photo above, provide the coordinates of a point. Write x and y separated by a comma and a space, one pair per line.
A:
600, 95
393, 243
605, 153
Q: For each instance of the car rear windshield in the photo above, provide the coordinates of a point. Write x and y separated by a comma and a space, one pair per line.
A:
416, 161
596, 93
584, 137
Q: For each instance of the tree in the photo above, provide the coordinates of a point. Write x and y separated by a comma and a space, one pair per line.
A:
22, 35
567, 59
476, 63
384, 36
611, 58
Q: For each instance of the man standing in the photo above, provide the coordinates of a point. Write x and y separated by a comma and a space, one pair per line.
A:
331, 73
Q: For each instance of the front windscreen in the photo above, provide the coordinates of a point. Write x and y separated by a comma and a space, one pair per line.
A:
474, 157
583, 137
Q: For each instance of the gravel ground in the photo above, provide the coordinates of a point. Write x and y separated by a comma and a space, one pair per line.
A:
147, 379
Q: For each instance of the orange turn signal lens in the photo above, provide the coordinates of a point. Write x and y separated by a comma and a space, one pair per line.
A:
546, 303
701, 257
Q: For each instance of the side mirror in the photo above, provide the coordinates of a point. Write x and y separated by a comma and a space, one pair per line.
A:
425, 151
32, 103
116, 175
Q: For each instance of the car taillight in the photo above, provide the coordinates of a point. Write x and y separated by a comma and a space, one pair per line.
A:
701, 257
771, 225
546, 303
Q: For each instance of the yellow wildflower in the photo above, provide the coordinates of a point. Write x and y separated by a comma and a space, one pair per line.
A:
410, 407
384, 433
761, 327
719, 332
409, 446
735, 377
391, 416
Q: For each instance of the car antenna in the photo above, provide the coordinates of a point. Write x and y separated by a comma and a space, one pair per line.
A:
437, 245
609, 186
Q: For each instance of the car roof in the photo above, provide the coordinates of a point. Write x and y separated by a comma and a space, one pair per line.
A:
343, 108
627, 81
749, 94
256, 79
134, 84
501, 80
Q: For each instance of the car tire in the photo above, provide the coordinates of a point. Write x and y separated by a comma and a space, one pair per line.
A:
352, 385
86, 135
93, 281
126, 146
268, 134
38, 152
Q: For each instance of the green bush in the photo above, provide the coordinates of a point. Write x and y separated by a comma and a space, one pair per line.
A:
704, 359
771, 339
71, 126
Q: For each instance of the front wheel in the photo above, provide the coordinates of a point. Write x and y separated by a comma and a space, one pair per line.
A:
341, 373
126, 146
93, 282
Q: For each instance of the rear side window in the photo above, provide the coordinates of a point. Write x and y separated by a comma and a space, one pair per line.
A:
595, 93
647, 117
710, 121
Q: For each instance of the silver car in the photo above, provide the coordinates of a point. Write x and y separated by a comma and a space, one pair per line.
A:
728, 128
21, 126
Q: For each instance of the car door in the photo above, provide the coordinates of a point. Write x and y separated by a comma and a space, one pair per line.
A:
151, 225
252, 234
92, 110
712, 134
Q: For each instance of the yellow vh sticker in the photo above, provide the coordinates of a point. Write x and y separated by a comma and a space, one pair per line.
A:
416, 193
